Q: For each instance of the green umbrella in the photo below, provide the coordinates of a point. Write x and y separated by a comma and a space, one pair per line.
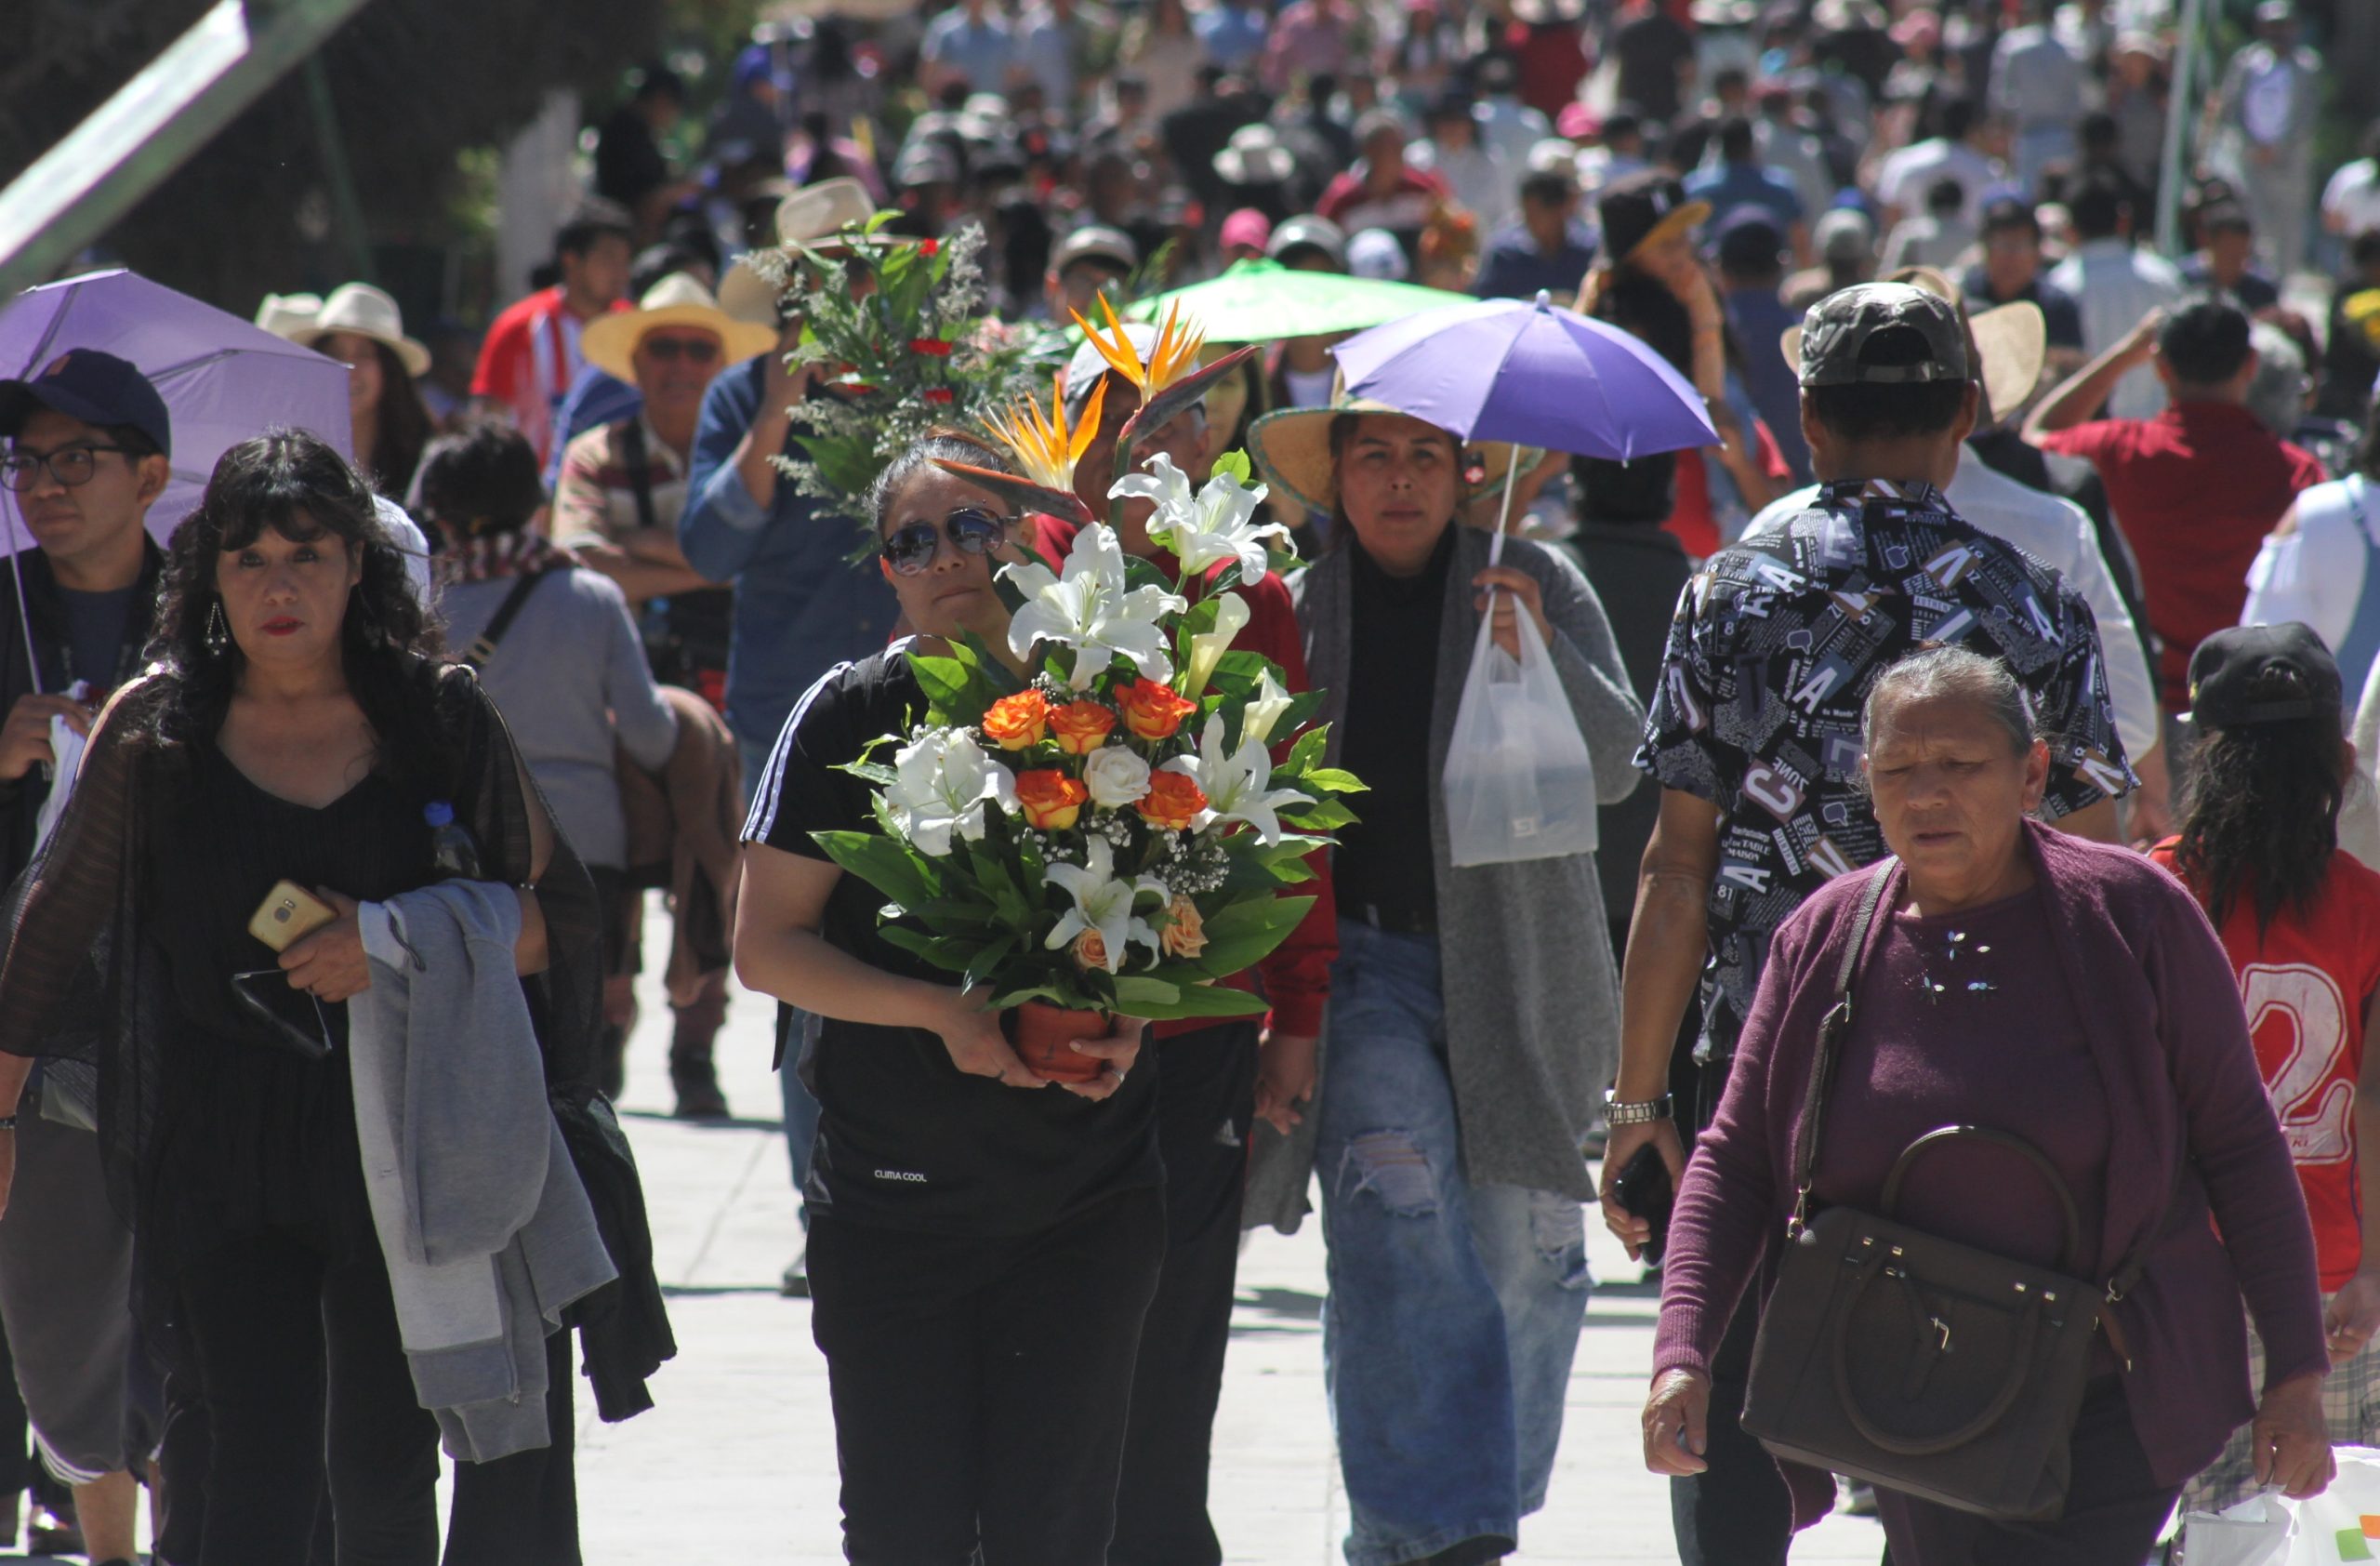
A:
1261, 302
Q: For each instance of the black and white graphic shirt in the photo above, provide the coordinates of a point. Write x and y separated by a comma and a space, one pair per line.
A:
1769, 659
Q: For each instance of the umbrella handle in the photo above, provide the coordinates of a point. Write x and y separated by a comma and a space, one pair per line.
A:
1503, 513
24, 610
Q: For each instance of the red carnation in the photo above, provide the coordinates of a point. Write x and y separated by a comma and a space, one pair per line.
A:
938, 394
930, 247
933, 347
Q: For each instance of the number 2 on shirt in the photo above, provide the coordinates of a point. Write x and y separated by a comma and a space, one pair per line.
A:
2313, 1096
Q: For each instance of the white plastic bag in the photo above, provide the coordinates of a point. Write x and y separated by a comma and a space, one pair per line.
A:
2341, 1524
1519, 781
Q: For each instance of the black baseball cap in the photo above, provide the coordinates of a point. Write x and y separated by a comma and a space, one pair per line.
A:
94, 386
1839, 328
2228, 665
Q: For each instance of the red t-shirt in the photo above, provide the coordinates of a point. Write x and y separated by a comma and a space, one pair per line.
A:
1297, 977
2305, 982
2195, 490
528, 361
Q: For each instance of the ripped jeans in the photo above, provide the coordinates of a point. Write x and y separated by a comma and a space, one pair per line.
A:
1454, 1308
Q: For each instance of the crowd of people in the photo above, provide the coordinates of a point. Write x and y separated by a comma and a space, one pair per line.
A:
2006, 665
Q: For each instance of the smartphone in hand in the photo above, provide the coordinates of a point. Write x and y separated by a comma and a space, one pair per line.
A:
1644, 1191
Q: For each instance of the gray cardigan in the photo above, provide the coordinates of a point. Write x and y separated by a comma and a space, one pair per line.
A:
1532, 997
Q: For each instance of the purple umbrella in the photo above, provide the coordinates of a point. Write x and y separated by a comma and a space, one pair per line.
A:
223, 380
1530, 374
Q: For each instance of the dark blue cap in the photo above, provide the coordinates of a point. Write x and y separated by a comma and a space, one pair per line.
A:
94, 386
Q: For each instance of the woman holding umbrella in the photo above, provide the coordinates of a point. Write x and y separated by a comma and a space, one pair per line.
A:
1464, 1045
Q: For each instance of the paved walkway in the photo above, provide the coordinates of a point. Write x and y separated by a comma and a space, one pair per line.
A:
738, 1462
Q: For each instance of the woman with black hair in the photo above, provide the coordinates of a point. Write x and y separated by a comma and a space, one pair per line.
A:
297, 727
361, 329
983, 1244
2300, 919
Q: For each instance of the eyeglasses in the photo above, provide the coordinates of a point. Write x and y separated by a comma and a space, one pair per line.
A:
72, 466
694, 351
910, 550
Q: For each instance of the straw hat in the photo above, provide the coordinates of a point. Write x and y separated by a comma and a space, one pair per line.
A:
609, 343
1293, 448
283, 314
2011, 340
366, 311
817, 213
748, 296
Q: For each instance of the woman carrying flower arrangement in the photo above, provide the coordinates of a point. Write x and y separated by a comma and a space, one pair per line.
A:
1474, 1012
983, 1245
1217, 1076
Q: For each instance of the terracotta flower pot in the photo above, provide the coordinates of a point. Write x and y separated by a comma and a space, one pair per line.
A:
1042, 1033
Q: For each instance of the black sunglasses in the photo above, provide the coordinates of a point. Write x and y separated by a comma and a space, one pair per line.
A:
910, 550
694, 351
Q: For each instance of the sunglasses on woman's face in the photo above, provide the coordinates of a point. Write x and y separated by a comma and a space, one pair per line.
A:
910, 550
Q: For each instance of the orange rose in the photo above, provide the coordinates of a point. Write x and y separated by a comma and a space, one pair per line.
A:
1172, 801
1050, 799
1185, 932
1016, 722
1081, 727
1152, 711
1089, 950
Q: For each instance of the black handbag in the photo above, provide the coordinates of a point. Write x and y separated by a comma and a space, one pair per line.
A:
1917, 1363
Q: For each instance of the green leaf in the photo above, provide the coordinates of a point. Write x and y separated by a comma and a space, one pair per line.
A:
1236, 464
873, 771
1134, 992
1306, 754
989, 669
1192, 1001
893, 868
943, 679
1256, 914
1323, 816
953, 956
1336, 779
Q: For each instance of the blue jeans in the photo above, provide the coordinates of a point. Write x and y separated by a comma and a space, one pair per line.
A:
801, 1108
1454, 1308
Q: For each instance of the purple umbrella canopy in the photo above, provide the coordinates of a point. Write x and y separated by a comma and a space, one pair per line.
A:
223, 380
1532, 374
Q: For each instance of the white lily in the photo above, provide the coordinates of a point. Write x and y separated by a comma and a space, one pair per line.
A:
1258, 718
1236, 783
1205, 529
1088, 608
1207, 650
1102, 903
941, 784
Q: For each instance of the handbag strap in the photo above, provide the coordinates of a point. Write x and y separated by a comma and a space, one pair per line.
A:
1832, 1027
482, 647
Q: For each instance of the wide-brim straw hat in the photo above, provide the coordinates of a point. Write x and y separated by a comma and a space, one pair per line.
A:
610, 341
814, 217
369, 313
1293, 448
2011, 340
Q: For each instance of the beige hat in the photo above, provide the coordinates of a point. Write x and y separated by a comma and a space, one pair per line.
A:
610, 341
1293, 448
366, 311
2011, 341
285, 314
1255, 156
749, 296
819, 212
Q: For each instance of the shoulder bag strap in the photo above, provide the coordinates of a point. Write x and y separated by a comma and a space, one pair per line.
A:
482, 647
637, 459
1836, 1023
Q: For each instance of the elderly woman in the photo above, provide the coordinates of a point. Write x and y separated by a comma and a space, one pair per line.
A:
2010, 969
1474, 1012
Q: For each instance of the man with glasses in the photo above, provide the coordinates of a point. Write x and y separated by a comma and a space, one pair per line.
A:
87, 443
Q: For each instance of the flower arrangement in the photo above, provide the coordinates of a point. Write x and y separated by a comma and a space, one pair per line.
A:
1113, 831
900, 347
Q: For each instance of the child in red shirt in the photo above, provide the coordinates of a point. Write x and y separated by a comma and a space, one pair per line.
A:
2300, 919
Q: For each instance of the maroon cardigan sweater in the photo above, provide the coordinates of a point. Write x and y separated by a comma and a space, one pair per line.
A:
2162, 1010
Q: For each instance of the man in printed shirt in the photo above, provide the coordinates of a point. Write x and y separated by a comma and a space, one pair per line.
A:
1754, 735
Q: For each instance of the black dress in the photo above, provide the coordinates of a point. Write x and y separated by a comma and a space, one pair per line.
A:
258, 1138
